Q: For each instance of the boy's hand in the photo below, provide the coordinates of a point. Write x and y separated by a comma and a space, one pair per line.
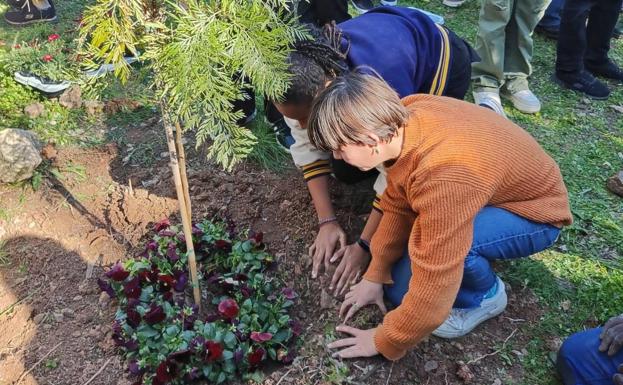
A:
362, 294
612, 336
329, 236
359, 344
354, 261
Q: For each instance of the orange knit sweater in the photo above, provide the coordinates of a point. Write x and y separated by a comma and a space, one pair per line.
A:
456, 158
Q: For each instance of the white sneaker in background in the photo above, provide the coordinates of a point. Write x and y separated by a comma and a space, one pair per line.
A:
490, 100
462, 321
525, 101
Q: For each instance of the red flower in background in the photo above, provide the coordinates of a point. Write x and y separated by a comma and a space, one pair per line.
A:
261, 337
228, 308
256, 357
214, 351
53, 37
17, 46
47, 58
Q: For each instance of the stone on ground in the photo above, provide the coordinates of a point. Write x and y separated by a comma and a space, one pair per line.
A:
19, 155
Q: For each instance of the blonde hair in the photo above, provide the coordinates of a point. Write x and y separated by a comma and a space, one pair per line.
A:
352, 106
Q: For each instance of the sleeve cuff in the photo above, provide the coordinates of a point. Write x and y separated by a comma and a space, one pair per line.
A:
378, 275
376, 204
385, 347
316, 169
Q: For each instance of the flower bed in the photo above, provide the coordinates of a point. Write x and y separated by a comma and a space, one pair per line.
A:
243, 323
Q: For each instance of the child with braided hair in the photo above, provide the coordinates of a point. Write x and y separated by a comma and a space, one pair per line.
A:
414, 55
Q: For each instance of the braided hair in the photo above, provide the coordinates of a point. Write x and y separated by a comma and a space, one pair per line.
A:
315, 61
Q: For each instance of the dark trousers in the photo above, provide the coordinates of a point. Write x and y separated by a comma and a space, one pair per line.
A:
462, 55
579, 42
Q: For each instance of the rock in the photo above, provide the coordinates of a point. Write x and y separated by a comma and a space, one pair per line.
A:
464, 372
76, 334
67, 312
284, 205
93, 107
71, 98
34, 110
326, 301
615, 183
553, 344
19, 155
104, 300
77, 298
39, 318
49, 152
429, 366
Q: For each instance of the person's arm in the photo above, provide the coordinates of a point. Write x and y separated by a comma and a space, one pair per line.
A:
439, 241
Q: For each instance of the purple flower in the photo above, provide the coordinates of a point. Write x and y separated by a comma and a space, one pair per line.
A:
151, 246
133, 318
132, 288
166, 233
198, 344
238, 355
106, 287
117, 273
181, 237
296, 327
134, 368
181, 279
172, 252
261, 337
213, 278
155, 314
131, 345
257, 237
193, 375
163, 224
246, 291
196, 230
285, 356
211, 317
228, 308
289, 293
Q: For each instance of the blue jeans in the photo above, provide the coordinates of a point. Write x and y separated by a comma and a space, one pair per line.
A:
498, 234
551, 18
581, 363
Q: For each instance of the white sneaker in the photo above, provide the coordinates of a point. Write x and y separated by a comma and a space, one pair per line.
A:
490, 100
525, 101
462, 321
392, 3
453, 3
41, 83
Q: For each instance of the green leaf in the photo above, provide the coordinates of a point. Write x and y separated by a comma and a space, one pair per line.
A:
282, 336
230, 340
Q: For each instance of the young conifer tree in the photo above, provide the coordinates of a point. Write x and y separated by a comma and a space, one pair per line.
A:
202, 54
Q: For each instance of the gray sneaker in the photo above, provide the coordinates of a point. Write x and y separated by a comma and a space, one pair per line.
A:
490, 100
462, 321
524, 100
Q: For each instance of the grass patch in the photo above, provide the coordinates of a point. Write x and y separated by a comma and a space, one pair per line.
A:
267, 152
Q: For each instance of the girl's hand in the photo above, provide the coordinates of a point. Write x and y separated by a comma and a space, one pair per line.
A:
362, 294
361, 344
354, 261
329, 236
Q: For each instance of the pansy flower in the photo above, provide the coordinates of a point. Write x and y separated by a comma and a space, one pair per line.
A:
154, 315
181, 356
261, 337
167, 371
223, 245
133, 317
106, 287
163, 224
228, 308
132, 288
47, 58
172, 252
288, 293
181, 279
256, 356
214, 351
117, 273
53, 37
166, 282
296, 327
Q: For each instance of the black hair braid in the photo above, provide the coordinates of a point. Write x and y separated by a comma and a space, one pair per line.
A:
314, 62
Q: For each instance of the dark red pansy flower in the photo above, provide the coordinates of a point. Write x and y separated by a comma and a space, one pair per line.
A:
181, 279
168, 296
257, 237
132, 288
214, 351
261, 337
172, 252
296, 327
117, 273
181, 356
166, 282
150, 276
163, 224
285, 357
154, 315
133, 318
223, 245
289, 293
228, 308
118, 339
116, 327
131, 345
151, 246
246, 291
47, 58
213, 278
241, 277
167, 371
53, 37
256, 356
106, 287
211, 317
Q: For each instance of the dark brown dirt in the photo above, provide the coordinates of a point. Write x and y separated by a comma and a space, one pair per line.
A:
59, 238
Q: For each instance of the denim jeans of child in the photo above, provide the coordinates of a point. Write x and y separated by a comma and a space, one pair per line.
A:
581, 363
498, 234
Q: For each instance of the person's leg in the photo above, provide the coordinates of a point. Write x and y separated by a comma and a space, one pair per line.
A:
320, 12
602, 19
462, 55
518, 54
551, 17
30, 11
572, 40
581, 363
498, 234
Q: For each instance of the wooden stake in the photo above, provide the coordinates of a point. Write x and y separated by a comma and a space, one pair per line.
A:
184, 211
181, 154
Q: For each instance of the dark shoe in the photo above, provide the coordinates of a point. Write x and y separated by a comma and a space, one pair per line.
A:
362, 6
247, 106
618, 29
29, 14
583, 82
548, 32
608, 70
283, 134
